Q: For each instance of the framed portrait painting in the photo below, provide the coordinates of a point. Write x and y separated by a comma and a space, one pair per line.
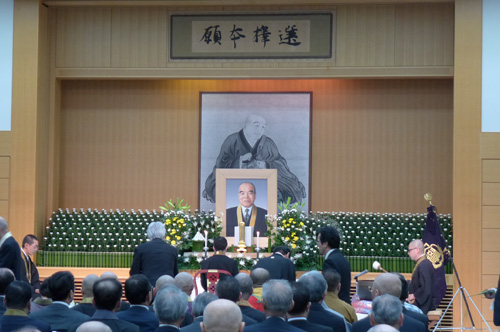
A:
247, 195
256, 130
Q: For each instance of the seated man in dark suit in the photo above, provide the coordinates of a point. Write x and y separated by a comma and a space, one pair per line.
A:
317, 287
17, 301
297, 316
219, 261
86, 306
199, 305
229, 289
58, 314
170, 307
246, 287
155, 257
139, 294
247, 211
6, 277
222, 315
389, 283
279, 264
386, 310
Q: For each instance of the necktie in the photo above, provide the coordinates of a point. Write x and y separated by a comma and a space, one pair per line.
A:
247, 216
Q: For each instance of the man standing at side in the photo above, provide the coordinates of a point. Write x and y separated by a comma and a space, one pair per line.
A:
328, 245
156, 257
422, 283
247, 211
219, 261
30, 247
10, 252
279, 264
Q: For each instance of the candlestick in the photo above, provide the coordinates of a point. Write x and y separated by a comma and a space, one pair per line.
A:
206, 238
258, 233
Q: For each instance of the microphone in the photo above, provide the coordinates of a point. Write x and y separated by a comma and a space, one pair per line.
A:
360, 274
377, 266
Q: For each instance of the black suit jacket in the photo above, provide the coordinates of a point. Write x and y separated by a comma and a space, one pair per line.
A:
85, 308
305, 325
140, 316
10, 257
417, 316
255, 314
166, 329
496, 306
60, 317
154, 259
321, 316
278, 266
194, 326
232, 221
272, 324
220, 262
338, 262
12, 323
409, 325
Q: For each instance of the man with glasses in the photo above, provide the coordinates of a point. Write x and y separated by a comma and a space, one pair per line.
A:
422, 283
29, 248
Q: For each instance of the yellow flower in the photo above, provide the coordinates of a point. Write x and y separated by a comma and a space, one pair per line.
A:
287, 238
295, 238
173, 232
301, 223
168, 222
173, 242
290, 219
294, 246
168, 238
177, 237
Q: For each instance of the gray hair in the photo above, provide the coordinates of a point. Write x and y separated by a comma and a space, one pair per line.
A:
156, 230
184, 281
4, 227
382, 328
386, 309
93, 326
277, 295
246, 285
88, 284
163, 281
316, 285
201, 301
170, 305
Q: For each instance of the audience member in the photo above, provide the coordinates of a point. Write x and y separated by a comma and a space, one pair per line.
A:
58, 315
423, 284
404, 295
86, 306
170, 308
332, 300
93, 326
389, 283
124, 305
6, 277
44, 300
277, 299
185, 282
229, 289
219, 261
387, 309
382, 328
246, 287
278, 264
139, 294
163, 281
297, 316
18, 300
199, 305
10, 252
328, 244
155, 257
259, 277
29, 248
316, 285
222, 316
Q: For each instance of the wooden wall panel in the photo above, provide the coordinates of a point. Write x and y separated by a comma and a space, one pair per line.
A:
5, 143
4, 167
134, 144
365, 35
83, 37
490, 239
491, 216
491, 170
146, 29
491, 193
424, 35
4, 189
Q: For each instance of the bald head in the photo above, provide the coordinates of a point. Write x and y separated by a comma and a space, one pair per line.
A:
87, 285
163, 281
259, 276
386, 283
109, 275
93, 326
184, 281
382, 328
417, 244
222, 316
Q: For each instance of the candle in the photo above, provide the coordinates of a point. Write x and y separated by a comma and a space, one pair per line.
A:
206, 238
258, 233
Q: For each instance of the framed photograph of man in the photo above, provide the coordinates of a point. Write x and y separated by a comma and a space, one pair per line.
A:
254, 130
246, 195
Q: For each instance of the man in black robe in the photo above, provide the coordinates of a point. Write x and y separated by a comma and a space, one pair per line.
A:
422, 283
250, 148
